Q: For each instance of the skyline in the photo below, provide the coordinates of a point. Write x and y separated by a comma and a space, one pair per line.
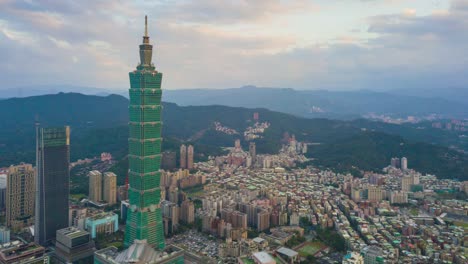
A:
373, 45
359, 159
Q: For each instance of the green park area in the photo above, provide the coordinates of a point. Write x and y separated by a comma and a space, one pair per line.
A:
195, 191
77, 196
310, 248
248, 261
461, 224
414, 211
114, 239
117, 244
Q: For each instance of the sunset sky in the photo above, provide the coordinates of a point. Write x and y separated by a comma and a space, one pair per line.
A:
327, 44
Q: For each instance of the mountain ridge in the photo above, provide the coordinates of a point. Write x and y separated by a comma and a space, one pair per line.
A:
320, 103
337, 104
99, 124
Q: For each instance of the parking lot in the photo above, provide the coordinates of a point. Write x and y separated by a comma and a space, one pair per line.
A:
197, 242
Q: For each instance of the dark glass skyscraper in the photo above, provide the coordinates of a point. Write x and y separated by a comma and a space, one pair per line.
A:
52, 182
144, 219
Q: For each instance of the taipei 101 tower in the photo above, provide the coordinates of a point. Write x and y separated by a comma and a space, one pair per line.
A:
144, 219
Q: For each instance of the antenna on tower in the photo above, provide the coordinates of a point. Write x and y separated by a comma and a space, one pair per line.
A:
146, 26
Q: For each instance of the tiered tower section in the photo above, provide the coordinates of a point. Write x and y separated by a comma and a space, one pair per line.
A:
144, 219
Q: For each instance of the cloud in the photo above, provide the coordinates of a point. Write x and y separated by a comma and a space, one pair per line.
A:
63, 44
21, 37
228, 12
218, 44
459, 5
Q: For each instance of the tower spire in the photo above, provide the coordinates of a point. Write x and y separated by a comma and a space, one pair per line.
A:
146, 26
146, 37
146, 49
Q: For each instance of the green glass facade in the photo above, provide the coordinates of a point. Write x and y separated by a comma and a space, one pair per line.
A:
144, 219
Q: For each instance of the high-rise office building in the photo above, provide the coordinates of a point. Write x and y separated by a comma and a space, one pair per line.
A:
415, 179
398, 197
190, 157
168, 160
110, 188
237, 144
20, 195
237, 219
395, 162
406, 182
356, 194
3, 186
404, 163
52, 182
187, 212
144, 219
263, 220
95, 186
374, 194
170, 213
253, 151
183, 157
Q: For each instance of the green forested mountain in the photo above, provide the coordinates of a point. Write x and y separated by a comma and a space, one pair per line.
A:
372, 150
99, 124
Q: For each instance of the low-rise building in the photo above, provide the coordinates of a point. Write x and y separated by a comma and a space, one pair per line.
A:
139, 252
288, 254
103, 223
353, 258
74, 245
263, 258
4, 235
19, 252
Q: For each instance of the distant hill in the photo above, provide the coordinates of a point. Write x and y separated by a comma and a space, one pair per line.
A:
73, 109
320, 103
82, 112
447, 102
374, 148
451, 94
35, 90
100, 124
419, 132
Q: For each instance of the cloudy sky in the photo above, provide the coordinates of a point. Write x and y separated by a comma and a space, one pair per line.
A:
322, 44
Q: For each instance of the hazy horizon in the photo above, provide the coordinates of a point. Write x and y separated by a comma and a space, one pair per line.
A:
88, 89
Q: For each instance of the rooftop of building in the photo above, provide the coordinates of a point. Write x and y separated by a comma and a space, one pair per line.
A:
139, 252
258, 240
17, 248
102, 215
108, 252
287, 251
351, 255
263, 257
10, 244
95, 204
72, 232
